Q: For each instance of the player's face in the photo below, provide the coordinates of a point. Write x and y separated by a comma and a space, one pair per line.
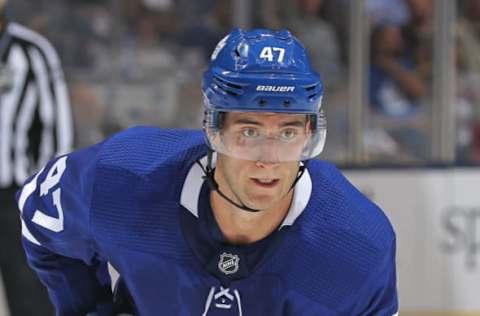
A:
264, 182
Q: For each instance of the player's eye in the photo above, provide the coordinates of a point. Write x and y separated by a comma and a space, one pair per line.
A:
288, 134
250, 132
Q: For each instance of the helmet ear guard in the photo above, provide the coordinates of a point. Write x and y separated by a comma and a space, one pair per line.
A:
263, 71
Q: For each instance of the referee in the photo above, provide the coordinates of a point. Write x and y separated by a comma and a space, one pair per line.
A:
35, 125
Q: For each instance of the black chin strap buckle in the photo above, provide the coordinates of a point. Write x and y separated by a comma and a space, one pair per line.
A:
212, 184
208, 173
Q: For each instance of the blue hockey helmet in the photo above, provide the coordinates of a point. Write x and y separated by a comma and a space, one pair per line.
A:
262, 71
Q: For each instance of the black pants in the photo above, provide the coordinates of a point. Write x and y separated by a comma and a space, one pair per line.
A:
26, 296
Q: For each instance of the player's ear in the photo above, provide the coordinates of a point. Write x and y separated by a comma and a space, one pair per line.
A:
309, 125
222, 116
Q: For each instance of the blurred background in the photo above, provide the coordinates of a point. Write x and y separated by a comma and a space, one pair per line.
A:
402, 99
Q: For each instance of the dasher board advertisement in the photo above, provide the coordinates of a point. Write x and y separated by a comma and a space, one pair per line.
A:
436, 216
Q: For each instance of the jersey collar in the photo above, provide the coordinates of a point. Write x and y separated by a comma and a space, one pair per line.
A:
193, 184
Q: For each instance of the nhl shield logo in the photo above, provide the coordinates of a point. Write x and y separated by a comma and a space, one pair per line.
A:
228, 263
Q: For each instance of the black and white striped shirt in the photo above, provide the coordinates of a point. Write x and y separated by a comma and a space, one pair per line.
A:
35, 114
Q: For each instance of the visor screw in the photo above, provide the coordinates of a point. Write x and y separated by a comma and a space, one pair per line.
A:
262, 102
286, 103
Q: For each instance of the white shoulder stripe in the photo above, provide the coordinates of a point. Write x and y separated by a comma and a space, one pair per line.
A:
193, 185
301, 197
28, 35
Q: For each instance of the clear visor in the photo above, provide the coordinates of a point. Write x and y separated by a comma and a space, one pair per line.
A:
271, 138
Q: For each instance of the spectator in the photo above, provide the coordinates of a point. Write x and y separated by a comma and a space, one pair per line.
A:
468, 94
395, 87
320, 40
396, 92
468, 32
418, 36
393, 12
206, 28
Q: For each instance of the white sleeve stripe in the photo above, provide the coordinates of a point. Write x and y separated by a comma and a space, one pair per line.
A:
395, 314
46, 106
64, 117
24, 120
27, 190
28, 235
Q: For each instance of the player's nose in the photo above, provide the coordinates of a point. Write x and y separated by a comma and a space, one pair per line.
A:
267, 165
268, 159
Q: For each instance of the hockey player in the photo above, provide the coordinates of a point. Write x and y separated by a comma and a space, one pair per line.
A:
233, 220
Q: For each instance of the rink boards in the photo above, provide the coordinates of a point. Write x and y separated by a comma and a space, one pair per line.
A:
436, 215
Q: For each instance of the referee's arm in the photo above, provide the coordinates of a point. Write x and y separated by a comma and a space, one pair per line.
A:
54, 94
64, 124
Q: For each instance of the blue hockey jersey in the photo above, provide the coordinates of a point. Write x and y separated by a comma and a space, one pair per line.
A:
138, 201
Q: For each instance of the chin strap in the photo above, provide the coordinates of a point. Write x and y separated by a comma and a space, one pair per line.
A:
213, 185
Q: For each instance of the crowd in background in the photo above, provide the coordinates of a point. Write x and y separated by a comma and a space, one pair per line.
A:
132, 62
